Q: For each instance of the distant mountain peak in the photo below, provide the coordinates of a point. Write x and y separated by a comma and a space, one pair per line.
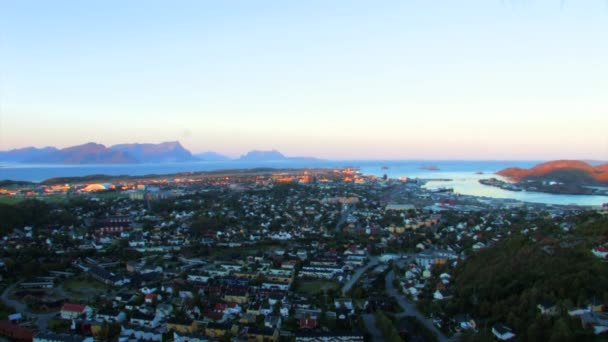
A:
95, 153
211, 156
261, 155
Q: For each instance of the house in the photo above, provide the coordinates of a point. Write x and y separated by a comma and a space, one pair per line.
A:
548, 308
442, 294
329, 336
198, 278
111, 225
597, 320
218, 330
186, 337
255, 334
150, 298
182, 325
272, 321
106, 315
600, 252
228, 308
502, 332
15, 318
239, 296
15, 331
577, 312
308, 323
164, 309
73, 311
596, 305
246, 319
124, 297
53, 337
465, 322
140, 333
344, 303
142, 320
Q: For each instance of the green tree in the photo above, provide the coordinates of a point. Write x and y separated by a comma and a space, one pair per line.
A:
561, 331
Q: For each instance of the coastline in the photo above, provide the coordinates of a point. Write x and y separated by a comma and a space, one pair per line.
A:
461, 176
545, 188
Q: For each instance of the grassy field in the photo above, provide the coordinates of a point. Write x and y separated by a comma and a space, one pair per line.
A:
48, 199
316, 286
82, 281
83, 286
60, 198
10, 199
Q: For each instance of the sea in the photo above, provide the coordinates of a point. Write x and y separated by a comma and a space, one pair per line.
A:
461, 175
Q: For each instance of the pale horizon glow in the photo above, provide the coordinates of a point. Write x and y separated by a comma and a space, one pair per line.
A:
499, 80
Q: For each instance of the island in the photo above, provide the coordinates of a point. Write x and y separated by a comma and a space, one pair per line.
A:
572, 177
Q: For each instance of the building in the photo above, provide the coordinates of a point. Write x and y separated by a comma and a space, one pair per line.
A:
182, 325
14, 331
73, 311
112, 225
502, 332
329, 337
53, 337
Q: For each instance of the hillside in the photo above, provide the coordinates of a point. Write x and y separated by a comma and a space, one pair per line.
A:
566, 171
506, 282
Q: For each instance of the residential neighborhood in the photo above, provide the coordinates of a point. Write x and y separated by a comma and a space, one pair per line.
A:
307, 255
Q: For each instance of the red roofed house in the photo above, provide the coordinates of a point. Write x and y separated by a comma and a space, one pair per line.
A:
150, 298
15, 332
600, 252
72, 311
308, 323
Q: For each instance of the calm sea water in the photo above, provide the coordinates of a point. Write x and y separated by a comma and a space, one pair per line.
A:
462, 174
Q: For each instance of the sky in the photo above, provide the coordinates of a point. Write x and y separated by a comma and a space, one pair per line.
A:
425, 79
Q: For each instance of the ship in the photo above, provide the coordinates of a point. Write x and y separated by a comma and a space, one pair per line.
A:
430, 167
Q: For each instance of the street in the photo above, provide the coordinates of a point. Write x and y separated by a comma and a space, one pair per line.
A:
353, 280
410, 309
41, 319
370, 324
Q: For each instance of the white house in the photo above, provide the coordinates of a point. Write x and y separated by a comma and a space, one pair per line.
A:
110, 316
73, 311
502, 332
600, 252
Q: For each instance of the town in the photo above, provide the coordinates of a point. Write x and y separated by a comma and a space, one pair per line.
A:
289, 255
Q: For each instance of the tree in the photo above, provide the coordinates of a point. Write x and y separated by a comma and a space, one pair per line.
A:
561, 331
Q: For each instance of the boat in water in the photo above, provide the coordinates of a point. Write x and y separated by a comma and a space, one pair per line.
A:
429, 167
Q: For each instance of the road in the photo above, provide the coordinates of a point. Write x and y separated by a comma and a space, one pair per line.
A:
410, 309
41, 319
343, 216
370, 324
373, 261
353, 280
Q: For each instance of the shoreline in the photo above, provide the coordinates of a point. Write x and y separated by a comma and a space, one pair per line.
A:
533, 188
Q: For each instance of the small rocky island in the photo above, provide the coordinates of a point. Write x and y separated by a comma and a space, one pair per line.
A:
570, 177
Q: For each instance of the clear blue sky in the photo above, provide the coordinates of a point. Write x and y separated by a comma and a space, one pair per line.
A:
495, 79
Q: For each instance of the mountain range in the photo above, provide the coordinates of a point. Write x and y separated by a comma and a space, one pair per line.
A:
565, 171
93, 153
272, 155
